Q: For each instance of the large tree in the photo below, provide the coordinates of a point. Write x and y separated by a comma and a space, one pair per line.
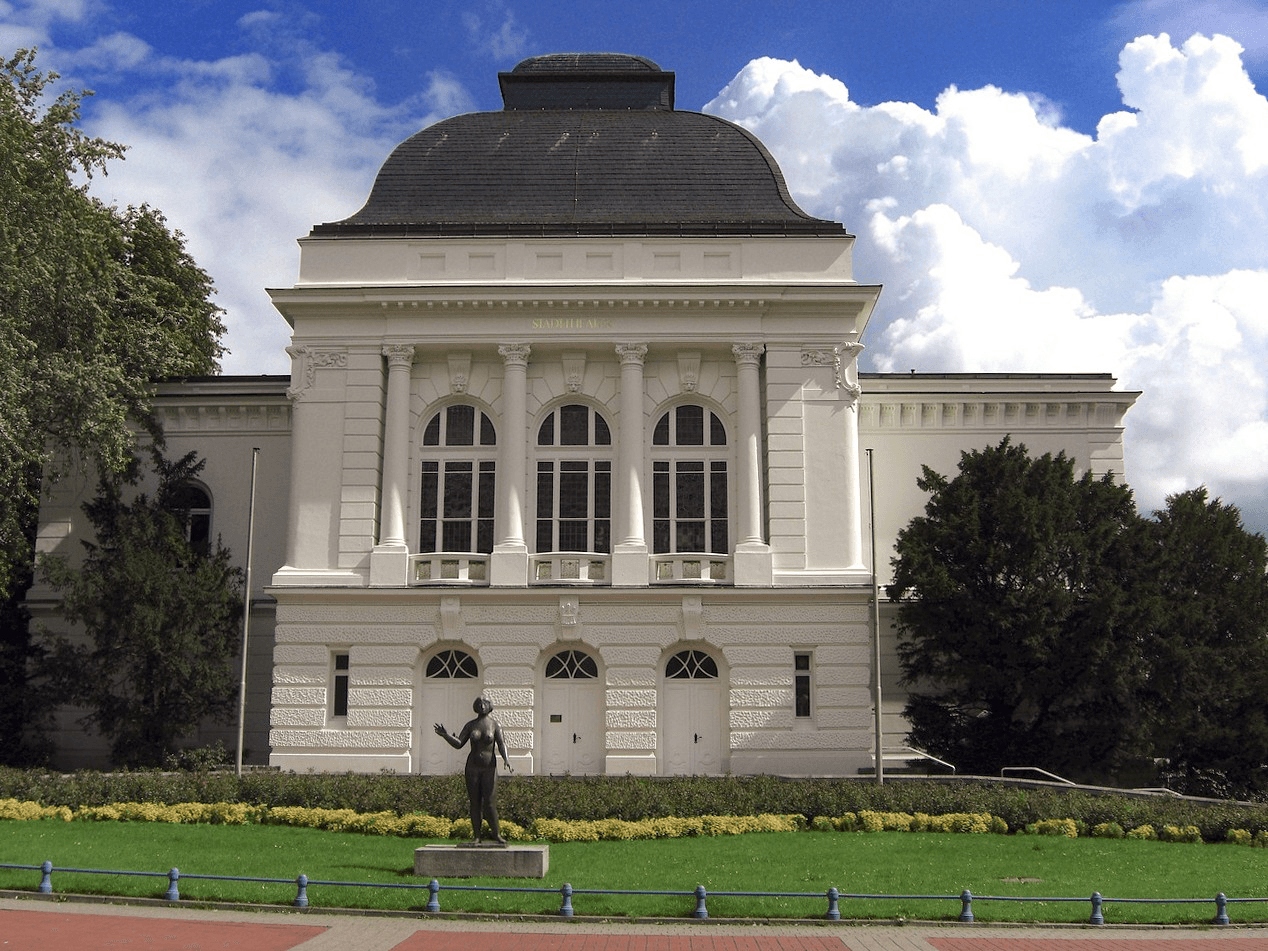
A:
1208, 647
161, 618
1015, 618
95, 304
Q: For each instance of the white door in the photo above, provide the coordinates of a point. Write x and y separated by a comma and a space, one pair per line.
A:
691, 729
572, 725
450, 685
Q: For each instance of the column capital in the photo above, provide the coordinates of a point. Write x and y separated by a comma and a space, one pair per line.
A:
748, 354
399, 354
514, 354
631, 353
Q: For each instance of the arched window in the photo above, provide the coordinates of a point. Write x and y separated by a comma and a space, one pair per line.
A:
574, 481
194, 501
689, 482
571, 665
458, 481
452, 665
691, 665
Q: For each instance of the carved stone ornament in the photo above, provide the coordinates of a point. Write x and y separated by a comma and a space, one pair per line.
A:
574, 370
459, 372
748, 354
569, 612
307, 361
689, 371
451, 617
839, 359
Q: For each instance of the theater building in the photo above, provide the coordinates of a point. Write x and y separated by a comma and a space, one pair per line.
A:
575, 422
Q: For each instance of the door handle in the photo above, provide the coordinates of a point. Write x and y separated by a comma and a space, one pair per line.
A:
574, 738
696, 737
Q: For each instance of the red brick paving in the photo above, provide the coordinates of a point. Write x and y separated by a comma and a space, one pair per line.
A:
1164, 942
52, 931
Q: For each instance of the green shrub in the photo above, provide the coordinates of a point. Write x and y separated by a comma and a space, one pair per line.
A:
1145, 831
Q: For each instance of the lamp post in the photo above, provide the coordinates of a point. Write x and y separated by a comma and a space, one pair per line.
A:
246, 613
879, 770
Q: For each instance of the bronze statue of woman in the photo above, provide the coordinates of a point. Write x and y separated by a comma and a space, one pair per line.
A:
485, 736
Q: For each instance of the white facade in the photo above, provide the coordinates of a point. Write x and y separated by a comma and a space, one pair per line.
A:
618, 485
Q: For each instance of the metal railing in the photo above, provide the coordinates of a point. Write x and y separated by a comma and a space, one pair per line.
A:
1018, 771
833, 896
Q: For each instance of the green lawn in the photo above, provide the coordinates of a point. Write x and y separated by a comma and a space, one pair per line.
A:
859, 863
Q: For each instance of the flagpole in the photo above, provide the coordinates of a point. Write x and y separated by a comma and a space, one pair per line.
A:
246, 613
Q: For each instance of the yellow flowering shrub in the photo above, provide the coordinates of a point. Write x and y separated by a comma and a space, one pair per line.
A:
974, 823
871, 821
1172, 833
1063, 827
13, 809
418, 825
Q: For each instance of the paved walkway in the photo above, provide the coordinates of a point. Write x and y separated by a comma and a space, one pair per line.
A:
27, 924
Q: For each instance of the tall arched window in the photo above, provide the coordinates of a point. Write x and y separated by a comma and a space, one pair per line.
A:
574, 481
689, 482
458, 481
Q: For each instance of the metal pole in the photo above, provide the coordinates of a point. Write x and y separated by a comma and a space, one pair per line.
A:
246, 613
876, 626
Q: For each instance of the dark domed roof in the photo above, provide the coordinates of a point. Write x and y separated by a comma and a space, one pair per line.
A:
587, 144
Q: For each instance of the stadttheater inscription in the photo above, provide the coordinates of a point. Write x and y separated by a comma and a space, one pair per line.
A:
573, 323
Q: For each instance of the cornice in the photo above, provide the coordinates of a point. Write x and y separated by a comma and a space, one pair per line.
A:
994, 411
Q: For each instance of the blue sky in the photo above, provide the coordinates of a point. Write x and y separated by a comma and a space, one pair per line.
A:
1041, 186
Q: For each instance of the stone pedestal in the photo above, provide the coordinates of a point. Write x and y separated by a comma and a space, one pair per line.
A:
482, 861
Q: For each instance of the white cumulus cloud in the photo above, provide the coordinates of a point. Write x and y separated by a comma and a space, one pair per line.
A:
1007, 242
244, 154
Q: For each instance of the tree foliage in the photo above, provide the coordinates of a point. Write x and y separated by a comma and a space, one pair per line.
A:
1208, 647
161, 619
1016, 623
95, 304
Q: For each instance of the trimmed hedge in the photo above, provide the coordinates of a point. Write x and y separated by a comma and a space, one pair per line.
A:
523, 799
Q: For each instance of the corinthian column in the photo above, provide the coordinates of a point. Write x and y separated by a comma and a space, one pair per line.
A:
752, 554
510, 553
389, 560
629, 557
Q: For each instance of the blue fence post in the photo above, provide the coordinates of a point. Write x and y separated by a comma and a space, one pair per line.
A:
565, 909
173, 890
46, 878
834, 912
701, 911
966, 905
301, 896
1221, 909
1097, 918
433, 895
